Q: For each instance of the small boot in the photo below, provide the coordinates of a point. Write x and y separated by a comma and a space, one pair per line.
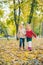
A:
30, 48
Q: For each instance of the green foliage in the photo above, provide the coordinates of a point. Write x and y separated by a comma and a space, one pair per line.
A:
25, 8
37, 30
1, 13
3, 29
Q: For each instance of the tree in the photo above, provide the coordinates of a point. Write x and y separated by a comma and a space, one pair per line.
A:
32, 10
15, 15
8, 13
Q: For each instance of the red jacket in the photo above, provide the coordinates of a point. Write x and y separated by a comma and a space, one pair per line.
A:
30, 34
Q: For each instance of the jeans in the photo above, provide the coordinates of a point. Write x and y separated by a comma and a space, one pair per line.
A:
22, 40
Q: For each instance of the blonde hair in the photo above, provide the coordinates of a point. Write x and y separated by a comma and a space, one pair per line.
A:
21, 25
28, 27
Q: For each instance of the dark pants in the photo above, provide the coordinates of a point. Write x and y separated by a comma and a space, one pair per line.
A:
22, 40
29, 39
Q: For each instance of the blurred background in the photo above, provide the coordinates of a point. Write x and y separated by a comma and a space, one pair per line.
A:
13, 12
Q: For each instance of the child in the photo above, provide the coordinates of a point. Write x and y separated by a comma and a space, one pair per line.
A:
29, 35
21, 32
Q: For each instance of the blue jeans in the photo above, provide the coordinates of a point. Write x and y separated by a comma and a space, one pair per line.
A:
22, 40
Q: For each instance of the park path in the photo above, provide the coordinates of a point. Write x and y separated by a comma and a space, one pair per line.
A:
10, 54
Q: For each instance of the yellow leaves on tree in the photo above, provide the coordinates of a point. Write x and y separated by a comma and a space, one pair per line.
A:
11, 29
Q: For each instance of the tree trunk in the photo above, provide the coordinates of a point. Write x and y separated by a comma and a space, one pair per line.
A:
19, 12
15, 19
18, 20
14, 12
32, 11
42, 30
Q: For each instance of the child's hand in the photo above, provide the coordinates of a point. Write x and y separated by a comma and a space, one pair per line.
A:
37, 37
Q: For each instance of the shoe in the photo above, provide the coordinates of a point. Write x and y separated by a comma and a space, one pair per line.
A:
29, 48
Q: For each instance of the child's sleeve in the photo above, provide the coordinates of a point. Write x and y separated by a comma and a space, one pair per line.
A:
34, 34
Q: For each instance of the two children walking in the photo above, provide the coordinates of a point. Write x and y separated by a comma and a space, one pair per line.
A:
28, 33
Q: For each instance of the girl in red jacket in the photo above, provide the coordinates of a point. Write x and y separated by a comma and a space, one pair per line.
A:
29, 35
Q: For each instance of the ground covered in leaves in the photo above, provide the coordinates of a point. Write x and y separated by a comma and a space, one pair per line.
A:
10, 54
